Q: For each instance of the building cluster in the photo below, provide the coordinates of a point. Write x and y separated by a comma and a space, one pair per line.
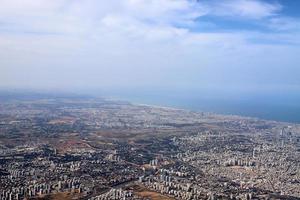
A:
41, 189
43, 172
115, 150
115, 194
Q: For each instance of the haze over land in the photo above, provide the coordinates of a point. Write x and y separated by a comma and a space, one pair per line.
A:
231, 49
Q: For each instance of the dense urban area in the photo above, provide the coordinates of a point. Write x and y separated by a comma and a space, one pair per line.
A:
91, 148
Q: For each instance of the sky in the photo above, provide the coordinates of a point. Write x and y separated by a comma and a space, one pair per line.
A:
233, 45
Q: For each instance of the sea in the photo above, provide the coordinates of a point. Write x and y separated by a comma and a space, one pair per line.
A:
278, 105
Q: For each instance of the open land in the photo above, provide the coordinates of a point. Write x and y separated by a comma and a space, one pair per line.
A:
91, 148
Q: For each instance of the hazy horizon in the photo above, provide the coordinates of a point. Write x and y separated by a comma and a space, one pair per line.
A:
268, 106
175, 52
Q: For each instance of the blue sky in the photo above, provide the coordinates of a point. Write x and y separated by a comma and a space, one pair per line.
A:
234, 45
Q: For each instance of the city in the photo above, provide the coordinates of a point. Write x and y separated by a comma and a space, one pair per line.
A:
149, 100
72, 148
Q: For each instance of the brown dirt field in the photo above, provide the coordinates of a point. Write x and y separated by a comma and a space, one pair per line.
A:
63, 120
61, 196
153, 195
68, 144
146, 193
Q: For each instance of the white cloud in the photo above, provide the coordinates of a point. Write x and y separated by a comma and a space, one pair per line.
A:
284, 24
165, 17
253, 9
151, 11
121, 42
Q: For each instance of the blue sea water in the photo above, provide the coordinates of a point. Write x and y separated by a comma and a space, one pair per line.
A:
277, 105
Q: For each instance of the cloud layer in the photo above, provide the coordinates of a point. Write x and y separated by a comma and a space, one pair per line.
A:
147, 43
